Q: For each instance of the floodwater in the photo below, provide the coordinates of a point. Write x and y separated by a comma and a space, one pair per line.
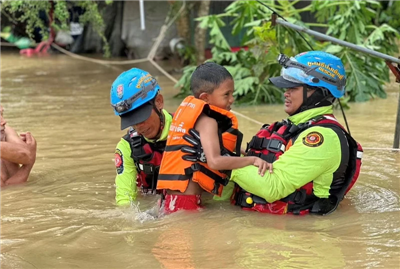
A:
65, 215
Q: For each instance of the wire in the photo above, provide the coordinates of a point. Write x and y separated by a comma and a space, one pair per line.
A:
344, 117
277, 14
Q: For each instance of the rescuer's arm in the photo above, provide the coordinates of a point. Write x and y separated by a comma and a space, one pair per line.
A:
125, 181
305, 161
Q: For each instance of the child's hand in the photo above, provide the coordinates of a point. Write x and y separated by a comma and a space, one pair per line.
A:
262, 166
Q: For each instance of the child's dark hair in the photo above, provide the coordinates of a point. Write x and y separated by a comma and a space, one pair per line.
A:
207, 77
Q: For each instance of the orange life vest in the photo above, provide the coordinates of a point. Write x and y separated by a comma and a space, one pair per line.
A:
175, 171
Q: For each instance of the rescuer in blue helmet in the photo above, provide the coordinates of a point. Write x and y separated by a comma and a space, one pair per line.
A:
136, 99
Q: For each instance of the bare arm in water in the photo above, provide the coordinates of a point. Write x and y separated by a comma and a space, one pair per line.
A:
16, 151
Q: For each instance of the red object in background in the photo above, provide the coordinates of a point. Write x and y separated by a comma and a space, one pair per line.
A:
40, 49
208, 53
236, 49
43, 46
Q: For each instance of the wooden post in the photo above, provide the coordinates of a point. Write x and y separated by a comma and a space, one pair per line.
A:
396, 72
201, 34
396, 141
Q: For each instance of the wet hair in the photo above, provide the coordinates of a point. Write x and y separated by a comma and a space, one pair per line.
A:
207, 77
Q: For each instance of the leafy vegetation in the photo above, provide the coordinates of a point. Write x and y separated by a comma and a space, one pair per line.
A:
389, 13
28, 13
252, 65
365, 74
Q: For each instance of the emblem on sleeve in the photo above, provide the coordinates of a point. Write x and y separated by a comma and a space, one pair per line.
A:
313, 139
119, 163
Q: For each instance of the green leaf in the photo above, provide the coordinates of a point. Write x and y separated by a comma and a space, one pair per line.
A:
334, 49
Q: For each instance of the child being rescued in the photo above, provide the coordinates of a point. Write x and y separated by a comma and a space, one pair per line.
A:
206, 118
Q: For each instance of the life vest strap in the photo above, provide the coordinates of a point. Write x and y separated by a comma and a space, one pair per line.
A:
297, 197
147, 168
173, 148
260, 143
196, 167
275, 145
136, 141
173, 177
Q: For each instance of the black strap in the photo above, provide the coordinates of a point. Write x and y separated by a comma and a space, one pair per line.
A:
297, 197
349, 156
148, 168
173, 177
198, 167
299, 201
258, 143
174, 148
241, 196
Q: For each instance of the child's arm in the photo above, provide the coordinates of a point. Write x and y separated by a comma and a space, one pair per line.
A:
208, 130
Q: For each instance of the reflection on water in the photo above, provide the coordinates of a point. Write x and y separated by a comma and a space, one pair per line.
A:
65, 216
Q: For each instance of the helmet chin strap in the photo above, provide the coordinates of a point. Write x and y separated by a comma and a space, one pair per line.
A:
162, 121
319, 98
303, 106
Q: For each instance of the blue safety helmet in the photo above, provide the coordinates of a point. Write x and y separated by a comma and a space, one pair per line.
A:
132, 95
313, 68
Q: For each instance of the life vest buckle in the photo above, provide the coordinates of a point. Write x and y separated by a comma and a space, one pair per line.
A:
257, 143
136, 141
147, 168
275, 145
195, 167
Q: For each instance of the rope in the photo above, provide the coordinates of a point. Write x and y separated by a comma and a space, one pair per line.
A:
163, 71
79, 57
5, 44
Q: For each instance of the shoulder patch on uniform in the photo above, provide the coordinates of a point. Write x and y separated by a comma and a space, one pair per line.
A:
313, 139
119, 163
